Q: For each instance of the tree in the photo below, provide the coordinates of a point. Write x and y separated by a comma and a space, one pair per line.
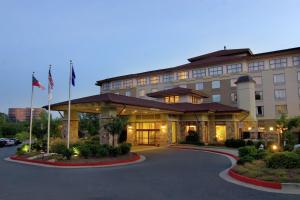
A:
116, 126
89, 122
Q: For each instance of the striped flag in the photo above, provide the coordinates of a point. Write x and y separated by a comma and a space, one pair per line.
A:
36, 83
50, 84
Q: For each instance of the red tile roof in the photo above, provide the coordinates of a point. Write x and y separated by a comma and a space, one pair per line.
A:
177, 91
133, 101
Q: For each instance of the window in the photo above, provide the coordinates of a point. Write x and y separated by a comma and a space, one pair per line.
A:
258, 80
105, 86
116, 84
154, 79
215, 84
172, 99
195, 100
259, 111
278, 63
142, 81
127, 83
199, 86
232, 82
234, 68
278, 78
142, 93
296, 60
258, 95
182, 75
256, 66
167, 78
281, 109
127, 93
216, 98
280, 94
154, 90
233, 97
215, 71
298, 76
199, 73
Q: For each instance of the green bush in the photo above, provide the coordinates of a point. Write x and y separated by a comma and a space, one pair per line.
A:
261, 154
93, 148
192, 137
67, 153
297, 151
22, 136
245, 159
249, 143
102, 152
125, 148
22, 149
40, 145
257, 144
247, 151
114, 151
59, 148
287, 160
234, 143
85, 151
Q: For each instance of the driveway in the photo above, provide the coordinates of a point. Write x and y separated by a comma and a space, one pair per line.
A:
166, 174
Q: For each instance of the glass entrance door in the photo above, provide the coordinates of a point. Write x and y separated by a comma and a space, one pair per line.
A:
147, 133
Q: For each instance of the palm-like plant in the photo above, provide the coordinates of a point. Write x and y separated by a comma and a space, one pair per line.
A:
116, 126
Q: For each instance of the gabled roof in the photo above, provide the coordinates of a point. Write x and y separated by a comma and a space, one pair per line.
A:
144, 103
177, 91
225, 52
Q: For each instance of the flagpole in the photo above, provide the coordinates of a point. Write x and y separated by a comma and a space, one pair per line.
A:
49, 111
69, 108
31, 116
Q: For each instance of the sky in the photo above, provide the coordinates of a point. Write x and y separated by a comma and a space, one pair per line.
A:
107, 38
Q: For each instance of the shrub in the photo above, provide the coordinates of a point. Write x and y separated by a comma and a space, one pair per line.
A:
67, 153
247, 151
114, 151
192, 137
235, 143
286, 160
23, 149
59, 148
249, 143
297, 151
125, 148
93, 148
22, 136
85, 151
261, 154
102, 152
40, 145
245, 159
257, 144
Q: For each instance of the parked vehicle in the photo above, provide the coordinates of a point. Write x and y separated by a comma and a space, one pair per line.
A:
8, 141
297, 146
16, 141
2, 142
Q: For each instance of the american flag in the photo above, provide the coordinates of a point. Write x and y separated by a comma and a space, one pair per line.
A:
50, 84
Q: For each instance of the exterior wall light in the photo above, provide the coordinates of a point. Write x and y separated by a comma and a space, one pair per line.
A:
274, 147
271, 128
249, 128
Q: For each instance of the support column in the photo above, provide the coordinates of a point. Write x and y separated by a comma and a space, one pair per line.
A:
74, 125
107, 112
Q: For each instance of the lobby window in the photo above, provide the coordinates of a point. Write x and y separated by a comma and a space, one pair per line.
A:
234, 68
280, 94
232, 82
182, 75
154, 79
216, 98
142, 93
296, 60
199, 86
278, 78
280, 109
256, 66
258, 95
215, 84
127, 83
258, 80
259, 111
199, 73
215, 71
233, 97
167, 78
172, 99
128, 93
105, 86
116, 84
142, 81
278, 63
195, 100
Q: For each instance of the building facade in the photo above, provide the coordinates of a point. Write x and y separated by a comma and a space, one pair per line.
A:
23, 114
276, 73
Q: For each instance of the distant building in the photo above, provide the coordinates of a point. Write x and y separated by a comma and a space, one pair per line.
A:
23, 114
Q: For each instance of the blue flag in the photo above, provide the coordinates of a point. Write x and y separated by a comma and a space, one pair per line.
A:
73, 76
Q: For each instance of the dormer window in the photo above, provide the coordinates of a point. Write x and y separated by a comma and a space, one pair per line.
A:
172, 99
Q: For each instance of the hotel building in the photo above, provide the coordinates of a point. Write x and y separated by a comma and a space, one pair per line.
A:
231, 93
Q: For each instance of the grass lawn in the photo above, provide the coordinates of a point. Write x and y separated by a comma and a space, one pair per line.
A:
257, 169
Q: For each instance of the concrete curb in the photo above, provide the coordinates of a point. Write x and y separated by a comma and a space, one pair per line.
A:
134, 160
229, 174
